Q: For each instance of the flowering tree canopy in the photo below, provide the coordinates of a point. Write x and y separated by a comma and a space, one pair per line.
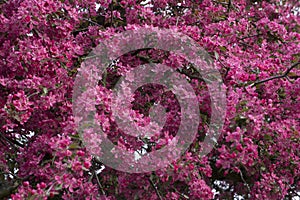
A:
253, 44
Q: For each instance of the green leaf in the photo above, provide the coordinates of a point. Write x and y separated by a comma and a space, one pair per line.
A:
74, 145
267, 137
216, 55
223, 48
45, 91
58, 187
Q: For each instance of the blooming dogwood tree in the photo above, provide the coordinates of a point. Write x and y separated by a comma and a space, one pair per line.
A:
255, 45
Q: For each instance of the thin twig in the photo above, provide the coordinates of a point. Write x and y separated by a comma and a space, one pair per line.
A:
285, 74
194, 23
177, 20
111, 17
249, 36
185, 7
247, 45
226, 67
7, 190
181, 194
155, 188
33, 94
228, 6
242, 177
222, 3
99, 184
86, 19
79, 30
12, 142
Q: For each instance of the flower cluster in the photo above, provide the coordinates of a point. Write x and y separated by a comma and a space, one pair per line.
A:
255, 46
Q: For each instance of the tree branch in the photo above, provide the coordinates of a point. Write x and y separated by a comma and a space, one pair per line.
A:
99, 184
95, 23
285, 74
7, 190
242, 177
11, 141
181, 194
228, 6
155, 188
249, 36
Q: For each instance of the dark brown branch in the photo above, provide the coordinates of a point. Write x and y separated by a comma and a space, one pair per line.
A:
285, 74
7, 190
242, 177
228, 6
249, 36
222, 3
99, 184
181, 194
184, 7
155, 188
225, 67
12, 142
88, 20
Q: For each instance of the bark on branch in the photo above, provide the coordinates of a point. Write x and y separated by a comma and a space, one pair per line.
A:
285, 74
155, 188
7, 190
